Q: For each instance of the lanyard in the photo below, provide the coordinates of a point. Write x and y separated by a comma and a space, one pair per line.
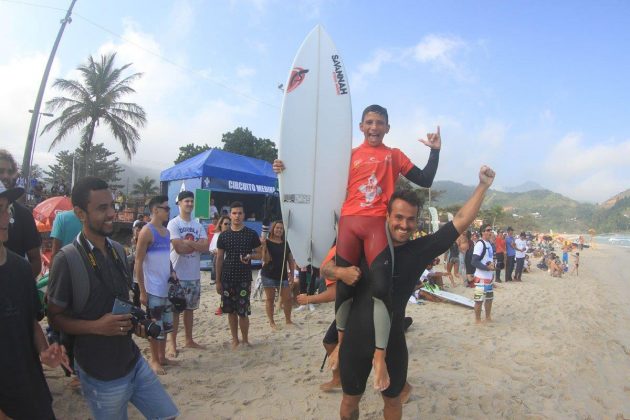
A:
91, 257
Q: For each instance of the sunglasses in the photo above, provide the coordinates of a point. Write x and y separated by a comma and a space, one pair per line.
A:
166, 208
226, 223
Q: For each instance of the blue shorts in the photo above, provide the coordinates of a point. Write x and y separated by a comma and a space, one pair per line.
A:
268, 282
141, 387
192, 289
161, 311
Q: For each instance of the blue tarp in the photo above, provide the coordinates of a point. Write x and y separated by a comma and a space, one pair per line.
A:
225, 171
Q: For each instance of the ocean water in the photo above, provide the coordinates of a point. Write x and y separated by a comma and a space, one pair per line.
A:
616, 239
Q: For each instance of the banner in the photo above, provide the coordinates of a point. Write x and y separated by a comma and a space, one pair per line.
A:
202, 204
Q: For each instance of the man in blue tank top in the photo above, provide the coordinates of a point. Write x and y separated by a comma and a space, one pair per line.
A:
152, 269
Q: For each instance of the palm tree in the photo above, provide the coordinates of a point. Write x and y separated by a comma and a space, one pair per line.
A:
145, 187
97, 99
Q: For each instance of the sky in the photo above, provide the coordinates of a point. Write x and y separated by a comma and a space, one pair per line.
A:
538, 90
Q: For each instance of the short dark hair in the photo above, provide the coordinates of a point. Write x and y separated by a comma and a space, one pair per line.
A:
156, 201
406, 195
377, 109
184, 194
83, 187
484, 227
236, 204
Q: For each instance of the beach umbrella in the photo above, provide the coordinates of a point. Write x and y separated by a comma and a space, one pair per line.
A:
46, 211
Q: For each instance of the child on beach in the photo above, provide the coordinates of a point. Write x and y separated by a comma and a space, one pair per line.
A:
576, 264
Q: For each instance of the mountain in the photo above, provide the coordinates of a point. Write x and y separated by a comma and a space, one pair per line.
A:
614, 218
524, 187
614, 199
542, 209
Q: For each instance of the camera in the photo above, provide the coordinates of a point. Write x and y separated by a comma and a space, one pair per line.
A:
138, 316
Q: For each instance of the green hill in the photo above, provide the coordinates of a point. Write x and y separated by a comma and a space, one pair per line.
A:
538, 209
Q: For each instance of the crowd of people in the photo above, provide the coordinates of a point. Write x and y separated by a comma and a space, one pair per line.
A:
100, 296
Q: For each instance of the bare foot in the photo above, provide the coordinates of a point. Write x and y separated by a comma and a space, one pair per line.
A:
477, 322
330, 386
405, 393
246, 344
171, 351
273, 326
169, 362
235, 344
290, 324
381, 377
488, 320
193, 345
157, 368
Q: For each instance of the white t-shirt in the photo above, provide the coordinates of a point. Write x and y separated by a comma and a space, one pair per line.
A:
187, 266
521, 244
213, 242
478, 250
425, 275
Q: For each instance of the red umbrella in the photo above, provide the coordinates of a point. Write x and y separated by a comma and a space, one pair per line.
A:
46, 211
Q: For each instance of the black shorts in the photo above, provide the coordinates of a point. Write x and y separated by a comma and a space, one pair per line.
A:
357, 351
332, 336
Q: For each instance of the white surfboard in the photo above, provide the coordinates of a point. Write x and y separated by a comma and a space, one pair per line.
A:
315, 145
450, 297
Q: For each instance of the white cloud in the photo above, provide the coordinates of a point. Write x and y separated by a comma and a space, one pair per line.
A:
182, 20
492, 134
437, 51
592, 172
22, 76
370, 68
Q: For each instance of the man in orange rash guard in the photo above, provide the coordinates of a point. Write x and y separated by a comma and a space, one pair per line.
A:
374, 169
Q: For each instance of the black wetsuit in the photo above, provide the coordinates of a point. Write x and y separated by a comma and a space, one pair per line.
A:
357, 349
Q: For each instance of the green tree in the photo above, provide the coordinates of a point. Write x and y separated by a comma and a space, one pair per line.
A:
94, 100
243, 142
145, 187
190, 150
100, 162
36, 172
422, 193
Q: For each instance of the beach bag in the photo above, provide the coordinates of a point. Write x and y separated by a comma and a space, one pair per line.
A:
176, 294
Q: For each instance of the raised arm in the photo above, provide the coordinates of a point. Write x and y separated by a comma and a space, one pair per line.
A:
467, 214
424, 177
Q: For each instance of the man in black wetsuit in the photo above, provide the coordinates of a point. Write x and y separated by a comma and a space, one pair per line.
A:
411, 258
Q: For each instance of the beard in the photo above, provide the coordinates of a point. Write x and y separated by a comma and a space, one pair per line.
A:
99, 229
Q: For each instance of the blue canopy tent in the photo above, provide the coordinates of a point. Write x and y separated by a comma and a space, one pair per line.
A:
218, 171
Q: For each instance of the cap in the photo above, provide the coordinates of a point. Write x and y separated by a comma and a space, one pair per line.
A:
11, 194
184, 194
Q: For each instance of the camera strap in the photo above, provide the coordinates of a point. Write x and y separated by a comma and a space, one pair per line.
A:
91, 258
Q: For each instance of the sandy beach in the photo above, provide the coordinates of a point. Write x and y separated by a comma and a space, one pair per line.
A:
557, 349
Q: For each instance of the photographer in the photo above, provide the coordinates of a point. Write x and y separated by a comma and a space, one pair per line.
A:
85, 279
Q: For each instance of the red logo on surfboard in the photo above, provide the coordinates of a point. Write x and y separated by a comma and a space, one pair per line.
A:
297, 77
